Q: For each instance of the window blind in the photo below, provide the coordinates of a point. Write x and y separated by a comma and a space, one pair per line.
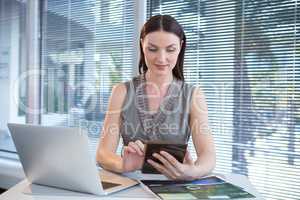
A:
245, 56
12, 65
87, 47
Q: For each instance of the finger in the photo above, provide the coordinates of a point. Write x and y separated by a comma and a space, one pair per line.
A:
129, 149
140, 145
136, 148
171, 159
167, 164
161, 169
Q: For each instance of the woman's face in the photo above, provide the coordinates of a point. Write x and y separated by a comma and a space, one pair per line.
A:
161, 50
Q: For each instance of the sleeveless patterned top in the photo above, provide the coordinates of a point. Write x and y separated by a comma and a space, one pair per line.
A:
169, 124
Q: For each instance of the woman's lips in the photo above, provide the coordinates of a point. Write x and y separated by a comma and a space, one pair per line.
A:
161, 66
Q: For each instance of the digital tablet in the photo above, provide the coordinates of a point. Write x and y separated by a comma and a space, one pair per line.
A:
212, 187
176, 150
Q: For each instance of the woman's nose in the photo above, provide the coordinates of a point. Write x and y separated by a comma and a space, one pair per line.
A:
161, 57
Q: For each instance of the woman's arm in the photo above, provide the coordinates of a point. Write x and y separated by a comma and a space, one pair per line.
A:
106, 152
201, 135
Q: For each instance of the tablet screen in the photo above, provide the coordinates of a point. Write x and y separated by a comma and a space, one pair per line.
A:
206, 188
176, 150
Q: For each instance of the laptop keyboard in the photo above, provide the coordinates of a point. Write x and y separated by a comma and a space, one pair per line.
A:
107, 185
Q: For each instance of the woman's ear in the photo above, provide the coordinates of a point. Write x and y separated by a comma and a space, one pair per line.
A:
141, 41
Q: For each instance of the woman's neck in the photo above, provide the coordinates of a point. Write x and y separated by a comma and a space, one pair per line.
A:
159, 81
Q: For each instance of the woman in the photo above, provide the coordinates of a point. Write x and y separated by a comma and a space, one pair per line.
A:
158, 105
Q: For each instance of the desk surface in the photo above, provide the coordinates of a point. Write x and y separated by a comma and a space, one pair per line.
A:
25, 191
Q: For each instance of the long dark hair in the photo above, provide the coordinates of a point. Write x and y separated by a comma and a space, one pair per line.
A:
168, 24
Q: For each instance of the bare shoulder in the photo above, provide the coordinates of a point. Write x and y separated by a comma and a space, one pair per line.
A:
198, 101
118, 95
119, 89
199, 114
198, 94
198, 90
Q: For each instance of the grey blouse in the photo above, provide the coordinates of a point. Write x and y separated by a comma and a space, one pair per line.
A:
169, 124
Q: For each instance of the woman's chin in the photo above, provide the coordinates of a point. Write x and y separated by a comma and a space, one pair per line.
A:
162, 72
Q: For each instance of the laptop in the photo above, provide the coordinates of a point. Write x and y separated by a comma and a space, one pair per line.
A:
59, 157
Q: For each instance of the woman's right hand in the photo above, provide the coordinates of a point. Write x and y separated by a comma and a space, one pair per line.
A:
133, 156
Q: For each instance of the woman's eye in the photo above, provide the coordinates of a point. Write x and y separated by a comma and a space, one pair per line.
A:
171, 50
152, 49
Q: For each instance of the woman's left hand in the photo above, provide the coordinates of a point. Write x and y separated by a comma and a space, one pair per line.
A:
172, 168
